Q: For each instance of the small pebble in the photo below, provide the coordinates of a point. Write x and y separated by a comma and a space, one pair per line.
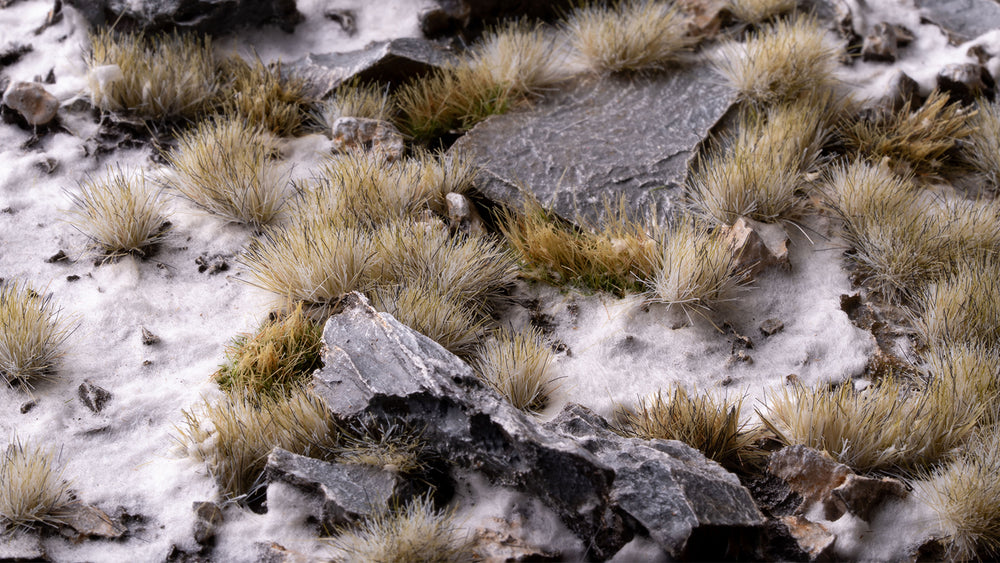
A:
34, 103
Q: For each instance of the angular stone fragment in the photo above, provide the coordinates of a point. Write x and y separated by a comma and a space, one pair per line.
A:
349, 492
389, 63
901, 90
359, 134
862, 496
92, 396
605, 488
88, 521
216, 17
599, 140
207, 517
964, 82
462, 215
32, 101
880, 44
813, 538
148, 338
758, 246
771, 327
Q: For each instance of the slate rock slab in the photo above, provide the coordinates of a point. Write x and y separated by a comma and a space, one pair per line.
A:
966, 19
217, 17
389, 63
605, 488
620, 136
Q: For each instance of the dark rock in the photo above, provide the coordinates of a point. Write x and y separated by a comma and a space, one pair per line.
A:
778, 544
57, 257
965, 19
47, 165
350, 492
773, 495
207, 517
811, 474
72, 278
276, 553
470, 17
902, 90
148, 338
92, 396
217, 17
880, 44
360, 134
605, 488
758, 246
618, 137
347, 19
771, 327
211, 264
28, 405
22, 545
964, 82
389, 63
862, 496
904, 36
13, 52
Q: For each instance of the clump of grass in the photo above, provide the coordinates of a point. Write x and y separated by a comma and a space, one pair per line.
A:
227, 167
32, 333
918, 140
32, 489
888, 427
508, 65
277, 359
970, 369
629, 35
763, 169
518, 365
614, 257
696, 269
311, 262
966, 498
153, 77
757, 11
353, 99
119, 214
387, 445
781, 62
963, 306
260, 95
416, 532
434, 313
983, 150
234, 436
468, 270
969, 227
703, 422
441, 174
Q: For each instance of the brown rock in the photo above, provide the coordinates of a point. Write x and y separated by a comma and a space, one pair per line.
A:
812, 474
33, 102
862, 496
758, 246
813, 538
88, 521
208, 516
356, 133
880, 44
964, 82
771, 327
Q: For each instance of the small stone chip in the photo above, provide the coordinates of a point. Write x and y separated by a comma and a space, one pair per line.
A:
92, 396
771, 327
148, 338
28, 405
58, 257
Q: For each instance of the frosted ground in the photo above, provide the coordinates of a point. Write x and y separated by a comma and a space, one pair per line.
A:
123, 460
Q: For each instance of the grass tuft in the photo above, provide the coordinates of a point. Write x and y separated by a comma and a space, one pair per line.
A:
279, 358
235, 435
226, 166
983, 150
433, 313
888, 427
781, 62
120, 215
353, 99
260, 95
383, 444
757, 11
32, 332
710, 425
696, 268
629, 35
153, 77
32, 489
518, 365
963, 306
416, 532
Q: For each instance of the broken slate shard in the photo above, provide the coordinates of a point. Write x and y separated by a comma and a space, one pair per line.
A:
599, 140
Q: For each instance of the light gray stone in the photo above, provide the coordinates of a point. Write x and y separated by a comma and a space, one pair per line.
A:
360, 134
965, 19
601, 140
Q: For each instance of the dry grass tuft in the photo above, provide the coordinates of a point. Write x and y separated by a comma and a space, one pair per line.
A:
32, 489
235, 435
696, 269
311, 262
259, 95
120, 215
757, 11
443, 173
508, 65
615, 257
227, 167
154, 77
781, 62
971, 370
983, 149
518, 365
416, 532
431, 311
353, 99
279, 358
32, 332
919, 141
387, 445
629, 35
703, 422
963, 306
966, 497
889, 427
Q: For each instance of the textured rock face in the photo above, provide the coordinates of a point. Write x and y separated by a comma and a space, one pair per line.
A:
604, 487
358, 134
630, 137
389, 63
208, 16
965, 18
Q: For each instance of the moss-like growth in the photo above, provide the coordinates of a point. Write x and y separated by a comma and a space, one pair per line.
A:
278, 358
32, 333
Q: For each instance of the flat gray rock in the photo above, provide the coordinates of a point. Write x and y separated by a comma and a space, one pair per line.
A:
966, 19
598, 139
